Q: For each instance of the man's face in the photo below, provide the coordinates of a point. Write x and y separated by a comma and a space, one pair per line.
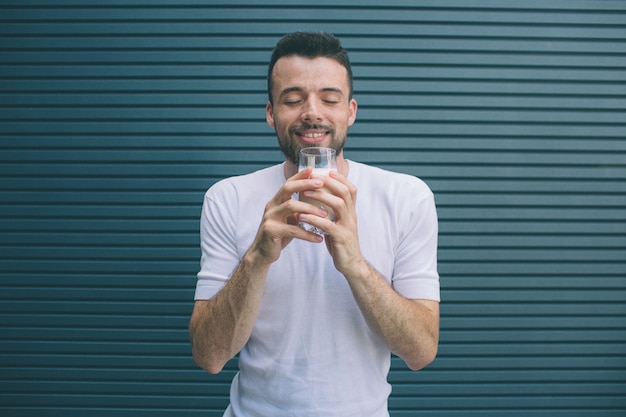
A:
312, 105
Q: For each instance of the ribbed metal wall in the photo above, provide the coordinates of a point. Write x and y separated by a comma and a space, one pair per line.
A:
116, 116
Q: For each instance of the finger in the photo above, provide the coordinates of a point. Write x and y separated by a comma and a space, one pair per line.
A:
290, 230
317, 221
308, 236
299, 182
344, 181
337, 195
287, 212
305, 173
324, 198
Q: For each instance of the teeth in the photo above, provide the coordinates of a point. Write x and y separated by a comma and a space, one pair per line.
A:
313, 135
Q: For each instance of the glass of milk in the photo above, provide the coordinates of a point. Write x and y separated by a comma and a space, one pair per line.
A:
323, 161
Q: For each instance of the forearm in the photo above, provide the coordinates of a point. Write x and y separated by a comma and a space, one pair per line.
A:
220, 327
410, 328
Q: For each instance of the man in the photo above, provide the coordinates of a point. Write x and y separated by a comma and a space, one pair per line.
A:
315, 318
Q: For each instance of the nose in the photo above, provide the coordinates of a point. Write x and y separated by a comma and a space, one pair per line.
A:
310, 112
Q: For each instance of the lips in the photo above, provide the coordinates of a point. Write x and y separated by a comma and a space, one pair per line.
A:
312, 134
312, 137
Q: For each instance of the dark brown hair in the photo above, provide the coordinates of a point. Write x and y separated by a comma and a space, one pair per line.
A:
310, 45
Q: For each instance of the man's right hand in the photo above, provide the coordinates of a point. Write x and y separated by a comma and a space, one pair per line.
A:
221, 326
279, 225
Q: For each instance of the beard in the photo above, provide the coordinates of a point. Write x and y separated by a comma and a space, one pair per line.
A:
291, 148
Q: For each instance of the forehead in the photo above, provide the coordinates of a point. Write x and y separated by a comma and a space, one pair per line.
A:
306, 73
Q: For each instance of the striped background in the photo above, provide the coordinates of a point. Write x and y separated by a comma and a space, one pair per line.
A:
116, 116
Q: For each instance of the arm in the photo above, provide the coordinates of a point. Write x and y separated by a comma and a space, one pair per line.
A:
221, 326
410, 328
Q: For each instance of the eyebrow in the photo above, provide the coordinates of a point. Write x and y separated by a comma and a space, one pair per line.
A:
324, 90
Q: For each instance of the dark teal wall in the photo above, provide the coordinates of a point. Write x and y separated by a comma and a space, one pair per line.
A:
116, 116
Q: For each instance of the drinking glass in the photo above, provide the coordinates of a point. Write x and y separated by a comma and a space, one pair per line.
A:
323, 161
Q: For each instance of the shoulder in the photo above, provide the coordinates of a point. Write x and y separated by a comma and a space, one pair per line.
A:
266, 178
385, 181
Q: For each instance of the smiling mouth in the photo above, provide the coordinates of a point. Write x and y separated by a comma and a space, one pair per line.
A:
311, 133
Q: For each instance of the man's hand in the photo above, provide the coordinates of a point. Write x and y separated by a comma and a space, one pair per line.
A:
342, 237
221, 326
410, 328
279, 225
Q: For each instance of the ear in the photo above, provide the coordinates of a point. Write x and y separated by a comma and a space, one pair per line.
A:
352, 112
269, 114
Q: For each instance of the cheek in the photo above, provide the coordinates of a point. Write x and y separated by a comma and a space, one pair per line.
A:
281, 122
278, 125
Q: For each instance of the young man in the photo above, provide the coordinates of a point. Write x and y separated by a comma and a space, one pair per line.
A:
315, 318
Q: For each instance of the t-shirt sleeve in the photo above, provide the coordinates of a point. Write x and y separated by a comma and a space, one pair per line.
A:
415, 269
217, 242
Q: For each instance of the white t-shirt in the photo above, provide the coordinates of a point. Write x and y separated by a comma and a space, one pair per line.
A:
311, 353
